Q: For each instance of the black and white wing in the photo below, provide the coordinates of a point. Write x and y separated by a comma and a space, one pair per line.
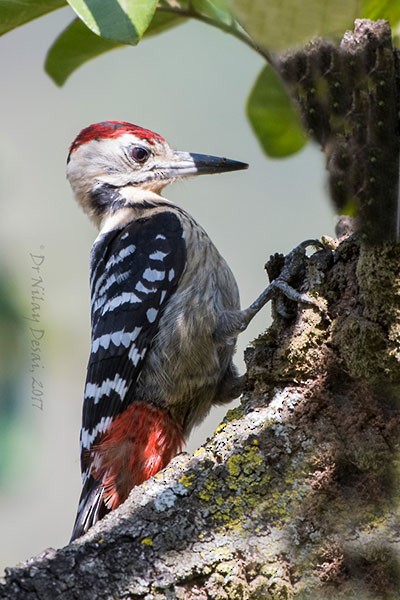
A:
134, 272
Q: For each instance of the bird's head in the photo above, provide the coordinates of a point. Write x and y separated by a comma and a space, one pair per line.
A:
110, 164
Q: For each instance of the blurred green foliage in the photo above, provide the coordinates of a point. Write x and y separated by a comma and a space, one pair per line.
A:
77, 44
264, 26
13, 352
272, 117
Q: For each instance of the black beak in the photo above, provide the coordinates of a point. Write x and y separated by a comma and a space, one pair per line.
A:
185, 164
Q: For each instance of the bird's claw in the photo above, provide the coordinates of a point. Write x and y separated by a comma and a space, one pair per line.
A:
292, 274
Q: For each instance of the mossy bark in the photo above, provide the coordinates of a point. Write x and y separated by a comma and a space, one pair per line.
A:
345, 528
296, 495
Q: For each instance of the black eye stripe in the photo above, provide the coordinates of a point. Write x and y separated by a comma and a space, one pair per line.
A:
139, 153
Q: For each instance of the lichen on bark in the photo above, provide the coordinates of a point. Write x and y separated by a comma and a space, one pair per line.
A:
295, 496
349, 417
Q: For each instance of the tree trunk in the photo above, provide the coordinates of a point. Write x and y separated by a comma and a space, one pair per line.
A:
296, 495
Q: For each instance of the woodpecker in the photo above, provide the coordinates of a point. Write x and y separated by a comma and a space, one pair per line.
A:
165, 312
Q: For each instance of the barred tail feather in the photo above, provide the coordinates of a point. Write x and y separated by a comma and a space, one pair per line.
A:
137, 444
91, 508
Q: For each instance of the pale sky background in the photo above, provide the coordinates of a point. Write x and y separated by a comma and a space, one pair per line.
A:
190, 85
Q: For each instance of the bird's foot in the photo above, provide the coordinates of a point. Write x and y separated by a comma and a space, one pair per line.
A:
287, 274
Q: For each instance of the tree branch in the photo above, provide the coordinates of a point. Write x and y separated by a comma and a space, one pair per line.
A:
232, 28
294, 493
349, 101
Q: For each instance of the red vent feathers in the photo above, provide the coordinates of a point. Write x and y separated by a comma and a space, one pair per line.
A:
140, 441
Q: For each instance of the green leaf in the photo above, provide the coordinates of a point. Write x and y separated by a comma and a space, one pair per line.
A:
73, 47
214, 9
273, 119
381, 9
162, 21
14, 13
123, 21
77, 45
282, 24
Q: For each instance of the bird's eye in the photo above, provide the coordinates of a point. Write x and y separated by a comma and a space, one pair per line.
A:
139, 154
